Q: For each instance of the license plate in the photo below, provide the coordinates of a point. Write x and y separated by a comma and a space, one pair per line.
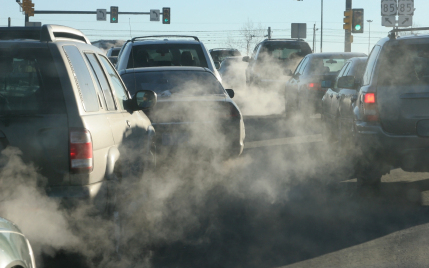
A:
174, 138
423, 128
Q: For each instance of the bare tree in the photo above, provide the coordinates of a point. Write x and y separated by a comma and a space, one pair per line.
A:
249, 36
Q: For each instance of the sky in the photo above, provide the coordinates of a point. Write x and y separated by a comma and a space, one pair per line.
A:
216, 21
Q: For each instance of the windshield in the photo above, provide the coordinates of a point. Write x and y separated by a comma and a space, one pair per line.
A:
167, 55
29, 82
167, 83
405, 65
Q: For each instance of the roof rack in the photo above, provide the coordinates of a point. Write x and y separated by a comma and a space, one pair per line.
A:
284, 39
224, 48
158, 36
46, 33
392, 33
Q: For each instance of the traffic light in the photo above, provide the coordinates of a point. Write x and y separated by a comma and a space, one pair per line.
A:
114, 14
28, 7
165, 15
357, 21
347, 20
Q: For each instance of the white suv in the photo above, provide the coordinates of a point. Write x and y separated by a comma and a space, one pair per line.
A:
165, 50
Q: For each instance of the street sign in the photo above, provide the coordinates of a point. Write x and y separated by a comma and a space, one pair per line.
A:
299, 30
405, 21
406, 7
154, 15
101, 14
389, 7
388, 21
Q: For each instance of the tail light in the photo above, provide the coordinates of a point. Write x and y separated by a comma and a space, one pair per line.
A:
370, 107
314, 86
80, 151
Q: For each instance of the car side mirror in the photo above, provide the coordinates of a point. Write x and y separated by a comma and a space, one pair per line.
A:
287, 72
144, 100
346, 82
217, 65
246, 58
113, 60
230, 92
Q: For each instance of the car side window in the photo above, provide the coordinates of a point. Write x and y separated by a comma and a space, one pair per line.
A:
117, 86
83, 79
102, 81
342, 73
254, 52
370, 65
300, 68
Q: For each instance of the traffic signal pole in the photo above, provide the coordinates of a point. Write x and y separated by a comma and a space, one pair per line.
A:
348, 33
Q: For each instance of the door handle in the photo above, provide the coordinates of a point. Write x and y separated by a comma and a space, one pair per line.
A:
338, 96
331, 95
128, 123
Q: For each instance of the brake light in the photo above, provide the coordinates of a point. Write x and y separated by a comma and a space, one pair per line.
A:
315, 86
80, 151
370, 107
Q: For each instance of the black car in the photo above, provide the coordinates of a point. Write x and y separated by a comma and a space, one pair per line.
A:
272, 58
193, 109
305, 90
337, 109
391, 111
219, 54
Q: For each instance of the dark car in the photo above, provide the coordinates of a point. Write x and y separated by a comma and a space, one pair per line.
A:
272, 58
193, 109
304, 90
219, 54
15, 249
337, 109
391, 111
64, 106
112, 54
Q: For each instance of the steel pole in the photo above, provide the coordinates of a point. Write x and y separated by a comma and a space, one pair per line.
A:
321, 27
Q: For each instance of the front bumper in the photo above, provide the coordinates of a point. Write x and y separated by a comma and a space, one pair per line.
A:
409, 152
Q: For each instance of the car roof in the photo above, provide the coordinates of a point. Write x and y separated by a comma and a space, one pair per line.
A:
6, 225
283, 40
165, 68
221, 49
337, 54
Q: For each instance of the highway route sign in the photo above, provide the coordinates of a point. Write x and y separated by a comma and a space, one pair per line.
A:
388, 21
405, 21
154, 15
406, 7
101, 14
389, 7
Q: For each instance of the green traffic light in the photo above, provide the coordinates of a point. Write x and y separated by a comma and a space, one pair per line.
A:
357, 27
113, 19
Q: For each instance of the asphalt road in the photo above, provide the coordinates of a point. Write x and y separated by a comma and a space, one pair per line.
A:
289, 203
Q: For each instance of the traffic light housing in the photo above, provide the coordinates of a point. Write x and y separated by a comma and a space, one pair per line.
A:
357, 21
28, 7
165, 15
347, 20
114, 14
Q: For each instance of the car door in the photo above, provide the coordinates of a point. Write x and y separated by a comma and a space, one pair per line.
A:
134, 141
333, 98
293, 84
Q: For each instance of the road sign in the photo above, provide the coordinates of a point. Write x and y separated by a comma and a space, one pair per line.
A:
101, 14
299, 30
389, 7
405, 21
388, 21
406, 7
154, 15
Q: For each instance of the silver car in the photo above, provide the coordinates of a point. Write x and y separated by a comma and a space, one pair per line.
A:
15, 250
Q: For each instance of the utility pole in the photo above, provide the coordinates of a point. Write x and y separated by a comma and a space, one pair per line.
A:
314, 36
321, 28
348, 33
369, 37
269, 32
8, 22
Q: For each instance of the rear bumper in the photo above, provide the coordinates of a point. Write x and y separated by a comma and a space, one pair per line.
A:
409, 152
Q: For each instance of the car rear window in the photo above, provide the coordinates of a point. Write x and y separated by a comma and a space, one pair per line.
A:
29, 82
167, 55
220, 55
115, 52
326, 66
404, 64
166, 83
284, 50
